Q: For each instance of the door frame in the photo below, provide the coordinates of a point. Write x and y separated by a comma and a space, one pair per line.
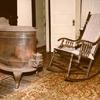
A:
48, 25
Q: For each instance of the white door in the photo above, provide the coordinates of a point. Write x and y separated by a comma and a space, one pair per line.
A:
62, 14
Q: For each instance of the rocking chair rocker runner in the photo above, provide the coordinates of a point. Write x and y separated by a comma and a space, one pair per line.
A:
85, 47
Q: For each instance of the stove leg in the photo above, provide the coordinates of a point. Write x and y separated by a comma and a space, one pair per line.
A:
17, 76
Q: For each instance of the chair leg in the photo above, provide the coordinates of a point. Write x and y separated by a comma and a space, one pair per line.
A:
79, 58
89, 68
51, 60
70, 65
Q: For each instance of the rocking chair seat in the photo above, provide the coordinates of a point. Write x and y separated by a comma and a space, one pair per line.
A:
66, 49
74, 51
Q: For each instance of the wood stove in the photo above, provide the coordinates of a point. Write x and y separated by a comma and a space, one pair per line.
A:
17, 47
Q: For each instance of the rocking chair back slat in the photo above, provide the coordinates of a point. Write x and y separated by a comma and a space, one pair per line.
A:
85, 48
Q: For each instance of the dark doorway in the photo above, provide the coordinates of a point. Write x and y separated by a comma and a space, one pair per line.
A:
33, 14
8, 9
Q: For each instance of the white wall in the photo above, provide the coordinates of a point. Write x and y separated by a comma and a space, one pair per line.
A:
24, 12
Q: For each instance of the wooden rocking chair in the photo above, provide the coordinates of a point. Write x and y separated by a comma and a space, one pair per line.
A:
85, 47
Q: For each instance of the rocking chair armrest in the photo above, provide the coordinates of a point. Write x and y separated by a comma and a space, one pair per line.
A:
93, 43
66, 42
61, 39
97, 42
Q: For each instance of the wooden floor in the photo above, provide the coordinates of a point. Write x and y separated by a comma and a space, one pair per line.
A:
7, 84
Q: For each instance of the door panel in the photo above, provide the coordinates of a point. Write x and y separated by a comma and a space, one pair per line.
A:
62, 16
